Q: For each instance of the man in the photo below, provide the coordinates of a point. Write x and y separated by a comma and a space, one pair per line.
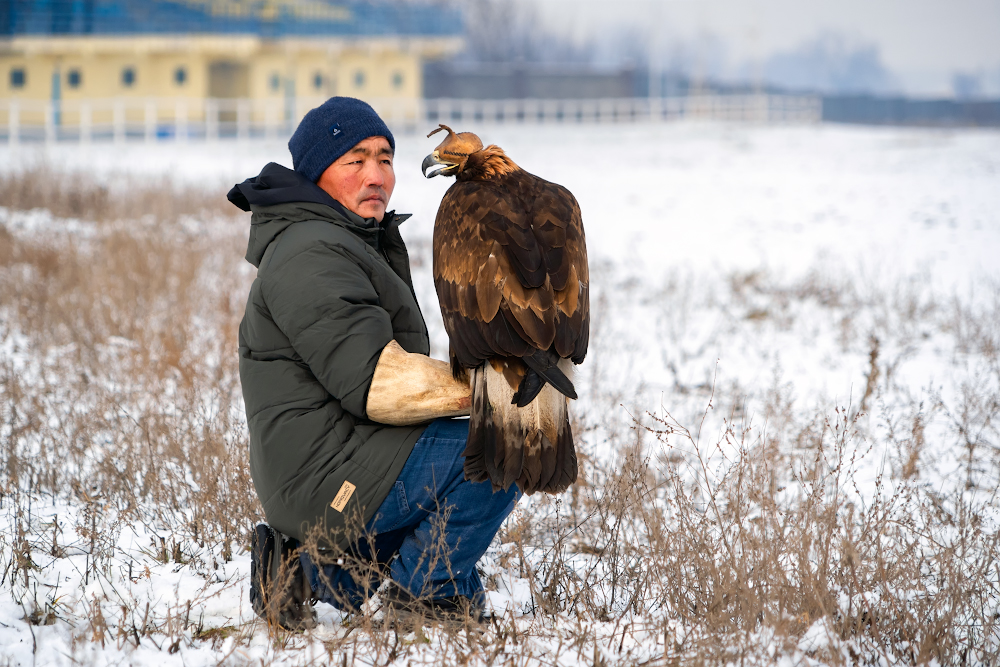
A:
350, 420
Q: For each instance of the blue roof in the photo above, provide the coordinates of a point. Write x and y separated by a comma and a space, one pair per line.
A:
265, 18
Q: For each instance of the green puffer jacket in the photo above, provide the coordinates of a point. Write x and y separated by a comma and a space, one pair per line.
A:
332, 290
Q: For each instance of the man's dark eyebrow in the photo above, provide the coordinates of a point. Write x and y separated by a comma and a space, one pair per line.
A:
365, 151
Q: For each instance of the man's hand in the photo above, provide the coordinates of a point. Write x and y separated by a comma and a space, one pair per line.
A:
412, 388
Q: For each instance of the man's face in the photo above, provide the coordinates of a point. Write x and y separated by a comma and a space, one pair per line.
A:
362, 179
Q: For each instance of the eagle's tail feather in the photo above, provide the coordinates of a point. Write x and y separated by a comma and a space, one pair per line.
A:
532, 446
515, 463
549, 457
565, 467
475, 451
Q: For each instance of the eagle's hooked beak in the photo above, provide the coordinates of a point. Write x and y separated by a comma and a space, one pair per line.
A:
432, 160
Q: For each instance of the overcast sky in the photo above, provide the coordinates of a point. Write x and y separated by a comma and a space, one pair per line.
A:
921, 42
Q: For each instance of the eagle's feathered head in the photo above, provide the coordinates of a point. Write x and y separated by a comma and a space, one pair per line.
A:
452, 153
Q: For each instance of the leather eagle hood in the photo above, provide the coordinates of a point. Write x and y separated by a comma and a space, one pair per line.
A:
279, 197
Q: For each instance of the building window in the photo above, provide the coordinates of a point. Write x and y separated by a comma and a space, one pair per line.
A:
128, 77
359, 79
74, 78
180, 76
275, 82
397, 80
318, 81
17, 78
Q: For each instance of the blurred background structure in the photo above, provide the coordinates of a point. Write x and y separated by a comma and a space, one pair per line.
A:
189, 66
152, 69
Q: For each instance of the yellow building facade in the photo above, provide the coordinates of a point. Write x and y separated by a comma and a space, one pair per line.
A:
235, 63
178, 73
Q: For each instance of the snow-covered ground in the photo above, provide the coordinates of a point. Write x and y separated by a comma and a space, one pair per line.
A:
777, 265
876, 207
704, 196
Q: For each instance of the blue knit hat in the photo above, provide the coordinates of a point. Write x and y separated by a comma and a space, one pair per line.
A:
330, 130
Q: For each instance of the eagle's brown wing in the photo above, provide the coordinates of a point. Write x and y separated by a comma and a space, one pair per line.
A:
510, 268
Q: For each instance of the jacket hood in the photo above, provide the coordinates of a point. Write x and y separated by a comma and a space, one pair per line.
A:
279, 197
278, 185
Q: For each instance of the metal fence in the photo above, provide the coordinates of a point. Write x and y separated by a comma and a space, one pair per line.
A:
744, 108
179, 119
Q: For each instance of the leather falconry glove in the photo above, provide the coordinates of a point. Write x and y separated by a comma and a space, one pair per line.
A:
413, 388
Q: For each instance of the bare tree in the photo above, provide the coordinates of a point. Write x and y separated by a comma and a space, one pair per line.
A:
512, 31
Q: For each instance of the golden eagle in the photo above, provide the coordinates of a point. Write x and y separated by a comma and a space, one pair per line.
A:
510, 268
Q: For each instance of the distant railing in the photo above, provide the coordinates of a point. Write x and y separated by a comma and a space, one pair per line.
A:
740, 108
180, 119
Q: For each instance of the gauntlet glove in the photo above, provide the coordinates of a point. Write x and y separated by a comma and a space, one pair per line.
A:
413, 388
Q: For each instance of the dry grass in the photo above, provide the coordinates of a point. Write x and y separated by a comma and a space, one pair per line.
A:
121, 403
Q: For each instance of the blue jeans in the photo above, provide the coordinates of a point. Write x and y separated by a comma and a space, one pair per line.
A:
438, 523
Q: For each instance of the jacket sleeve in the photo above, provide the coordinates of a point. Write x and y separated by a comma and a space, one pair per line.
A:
323, 300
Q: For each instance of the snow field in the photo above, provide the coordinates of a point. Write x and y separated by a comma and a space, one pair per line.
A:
747, 282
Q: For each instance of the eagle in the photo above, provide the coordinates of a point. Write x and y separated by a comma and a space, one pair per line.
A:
511, 274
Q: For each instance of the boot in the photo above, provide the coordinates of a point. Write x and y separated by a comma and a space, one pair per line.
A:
279, 592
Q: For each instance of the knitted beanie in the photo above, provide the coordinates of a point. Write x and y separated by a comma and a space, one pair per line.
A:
330, 130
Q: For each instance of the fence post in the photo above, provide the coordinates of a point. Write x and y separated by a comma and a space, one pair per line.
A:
420, 113
180, 120
118, 120
298, 112
605, 109
387, 110
211, 120
242, 120
272, 118
431, 108
149, 121
86, 123
50, 123
13, 123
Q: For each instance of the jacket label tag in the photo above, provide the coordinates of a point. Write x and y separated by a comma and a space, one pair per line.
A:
340, 501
